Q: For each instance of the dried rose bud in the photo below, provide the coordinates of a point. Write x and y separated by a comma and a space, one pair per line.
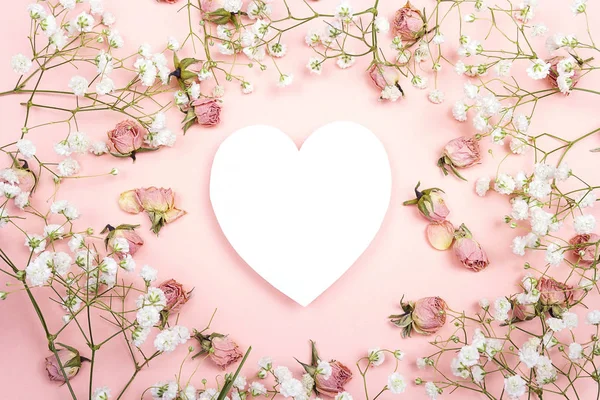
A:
127, 232
556, 296
462, 152
335, 382
469, 252
159, 204
409, 23
69, 359
383, 75
586, 247
563, 80
523, 312
440, 234
220, 348
425, 316
340, 375
430, 203
127, 137
208, 111
175, 294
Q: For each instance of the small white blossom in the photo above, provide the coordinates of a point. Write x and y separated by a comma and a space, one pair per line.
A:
20, 64
584, 223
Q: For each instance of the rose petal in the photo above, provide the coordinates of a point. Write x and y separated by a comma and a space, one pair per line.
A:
128, 201
440, 235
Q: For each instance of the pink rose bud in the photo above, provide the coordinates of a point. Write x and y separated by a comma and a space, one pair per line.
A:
555, 295
127, 137
224, 351
469, 252
523, 312
334, 384
409, 23
340, 375
175, 294
208, 111
430, 203
440, 235
462, 152
159, 204
26, 180
586, 247
69, 359
425, 316
126, 232
554, 74
383, 75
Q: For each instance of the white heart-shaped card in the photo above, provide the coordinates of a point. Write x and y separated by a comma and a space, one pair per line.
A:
301, 218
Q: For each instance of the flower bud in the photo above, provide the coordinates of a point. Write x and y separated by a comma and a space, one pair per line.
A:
586, 247
409, 23
430, 203
469, 252
462, 152
127, 137
425, 316
68, 358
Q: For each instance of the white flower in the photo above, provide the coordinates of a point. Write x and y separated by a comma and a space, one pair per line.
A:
36, 11
78, 142
571, 320
556, 324
396, 383
478, 374
173, 44
382, 25
62, 262
38, 272
99, 148
84, 22
35, 243
502, 307
345, 61
265, 363
79, 85
539, 30
468, 355
168, 339
469, 18
578, 6
22, 200
539, 189
391, 93
68, 167
105, 86
165, 390
76, 242
282, 373
376, 356
432, 390
529, 353
504, 184
460, 68
484, 303
586, 199
575, 351
232, 6
257, 389
593, 317
291, 388
155, 297
26, 148
544, 171
277, 49
189, 393
563, 172
584, 223
324, 368
515, 386
344, 12
115, 40
139, 335
148, 274
436, 96
482, 185
102, 393
542, 222
471, 91
315, 65
147, 317
343, 396
420, 82
108, 18
20, 64
313, 37
53, 231
96, 6
545, 371
520, 209
539, 69
554, 254
459, 111
48, 25
438, 39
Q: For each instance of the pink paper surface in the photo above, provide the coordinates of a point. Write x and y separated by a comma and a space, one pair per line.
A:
350, 317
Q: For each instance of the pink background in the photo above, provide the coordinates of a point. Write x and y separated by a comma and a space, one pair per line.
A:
350, 317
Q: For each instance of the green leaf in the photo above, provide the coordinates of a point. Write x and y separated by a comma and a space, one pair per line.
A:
186, 62
230, 379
